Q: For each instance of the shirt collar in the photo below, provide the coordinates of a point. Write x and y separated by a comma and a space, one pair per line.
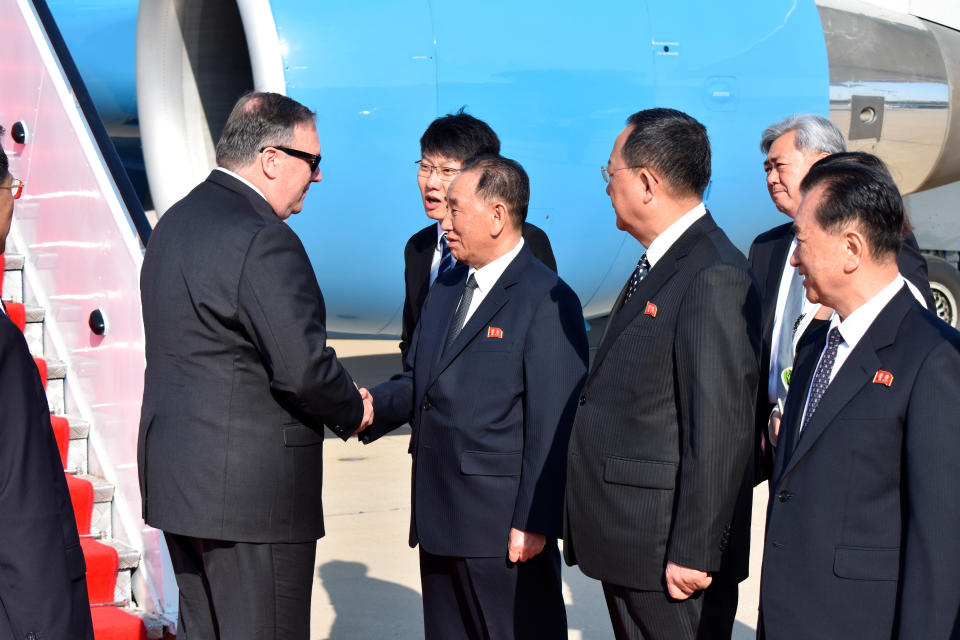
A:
662, 243
440, 234
243, 180
488, 274
853, 328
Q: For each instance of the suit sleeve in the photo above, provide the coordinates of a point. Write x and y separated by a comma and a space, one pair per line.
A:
930, 590
913, 267
554, 369
716, 354
539, 245
764, 451
410, 314
281, 307
39, 555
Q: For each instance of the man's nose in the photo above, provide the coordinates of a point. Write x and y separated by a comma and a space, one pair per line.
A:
316, 176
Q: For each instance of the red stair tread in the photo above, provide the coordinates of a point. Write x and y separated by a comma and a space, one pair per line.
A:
42, 368
61, 431
17, 313
81, 495
110, 623
102, 564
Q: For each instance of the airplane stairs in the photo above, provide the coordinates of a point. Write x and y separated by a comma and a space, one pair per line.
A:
110, 563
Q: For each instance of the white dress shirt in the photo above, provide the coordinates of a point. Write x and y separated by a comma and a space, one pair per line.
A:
437, 255
662, 243
855, 326
243, 180
487, 276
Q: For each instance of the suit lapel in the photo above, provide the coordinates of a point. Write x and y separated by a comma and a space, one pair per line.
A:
857, 372
444, 297
778, 258
659, 275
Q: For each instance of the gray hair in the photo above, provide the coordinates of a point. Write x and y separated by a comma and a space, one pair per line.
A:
814, 133
259, 120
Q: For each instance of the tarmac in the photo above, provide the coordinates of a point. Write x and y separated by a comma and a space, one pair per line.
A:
367, 580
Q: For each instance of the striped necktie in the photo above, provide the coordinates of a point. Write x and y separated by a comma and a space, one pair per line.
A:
446, 258
643, 267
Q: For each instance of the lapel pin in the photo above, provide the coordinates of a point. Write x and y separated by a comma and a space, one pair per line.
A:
883, 377
495, 332
651, 309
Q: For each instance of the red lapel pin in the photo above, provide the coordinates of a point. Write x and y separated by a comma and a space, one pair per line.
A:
495, 332
883, 377
651, 310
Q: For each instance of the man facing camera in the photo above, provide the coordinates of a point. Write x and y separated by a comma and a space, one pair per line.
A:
494, 371
863, 524
659, 487
43, 585
240, 383
445, 146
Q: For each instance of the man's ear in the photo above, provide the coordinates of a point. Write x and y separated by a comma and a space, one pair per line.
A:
856, 248
499, 218
649, 184
270, 162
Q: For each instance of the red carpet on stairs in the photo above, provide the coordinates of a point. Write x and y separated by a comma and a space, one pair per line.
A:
17, 313
42, 368
102, 563
109, 623
61, 431
81, 495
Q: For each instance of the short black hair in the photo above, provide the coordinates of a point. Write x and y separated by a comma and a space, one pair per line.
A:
259, 119
4, 163
672, 143
502, 179
459, 136
860, 193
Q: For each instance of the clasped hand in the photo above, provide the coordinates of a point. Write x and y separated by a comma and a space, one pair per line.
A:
367, 409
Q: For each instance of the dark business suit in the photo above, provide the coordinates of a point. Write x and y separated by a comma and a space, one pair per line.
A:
43, 587
658, 466
767, 257
863, 524
238, 386
491, 417
418, 259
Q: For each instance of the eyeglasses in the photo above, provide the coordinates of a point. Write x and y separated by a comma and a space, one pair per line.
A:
16, 188
606, 173
446, 174
309, 158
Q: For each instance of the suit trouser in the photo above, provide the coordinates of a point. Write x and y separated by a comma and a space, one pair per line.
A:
242, 591
653, 615
480, 598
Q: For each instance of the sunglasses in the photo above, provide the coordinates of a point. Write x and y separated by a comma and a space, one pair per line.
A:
309, 158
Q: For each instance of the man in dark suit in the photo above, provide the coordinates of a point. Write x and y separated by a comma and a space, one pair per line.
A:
863, 524
659, 485
43, 586
791, 146
495, 368
239, 383
445, 146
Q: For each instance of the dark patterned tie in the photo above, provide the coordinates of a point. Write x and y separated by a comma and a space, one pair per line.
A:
460, 315
822, 377
446, 258
643, 267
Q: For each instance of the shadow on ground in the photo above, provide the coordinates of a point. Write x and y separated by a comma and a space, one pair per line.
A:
381, 610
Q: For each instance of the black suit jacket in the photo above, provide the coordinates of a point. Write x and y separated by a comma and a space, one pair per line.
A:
239, 380
863, 524
418, 258
491, 415
659, 465
43, 587
767, 257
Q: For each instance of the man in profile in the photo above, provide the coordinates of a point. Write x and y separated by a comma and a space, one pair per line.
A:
43, 585
658, 482
494, 369
240, 382
863, 523
445, 146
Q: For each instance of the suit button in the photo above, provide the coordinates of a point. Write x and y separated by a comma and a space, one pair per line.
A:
427, 406
583, 400
783, 496
32, 636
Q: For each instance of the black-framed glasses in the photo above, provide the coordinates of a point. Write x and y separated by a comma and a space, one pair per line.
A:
16, 188
309, 158
446, 174
606, 173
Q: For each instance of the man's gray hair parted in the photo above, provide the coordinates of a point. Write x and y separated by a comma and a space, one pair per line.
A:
259, 120
814, 133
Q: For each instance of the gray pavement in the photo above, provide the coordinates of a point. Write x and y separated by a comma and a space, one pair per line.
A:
367, 582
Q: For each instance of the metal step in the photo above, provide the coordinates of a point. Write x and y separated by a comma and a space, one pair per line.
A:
78, 450
33, 331
56, 386
13, 277
129, 561
102, 519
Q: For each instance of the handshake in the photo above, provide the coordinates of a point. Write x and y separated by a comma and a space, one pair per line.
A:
367, 409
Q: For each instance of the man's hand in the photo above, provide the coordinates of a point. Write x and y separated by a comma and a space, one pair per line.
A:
367, 410
683, 582
524, 545
773, 426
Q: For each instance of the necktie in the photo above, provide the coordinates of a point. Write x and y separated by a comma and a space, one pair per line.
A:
788, 324
446, 258
460, 315
822, 377
643, 267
